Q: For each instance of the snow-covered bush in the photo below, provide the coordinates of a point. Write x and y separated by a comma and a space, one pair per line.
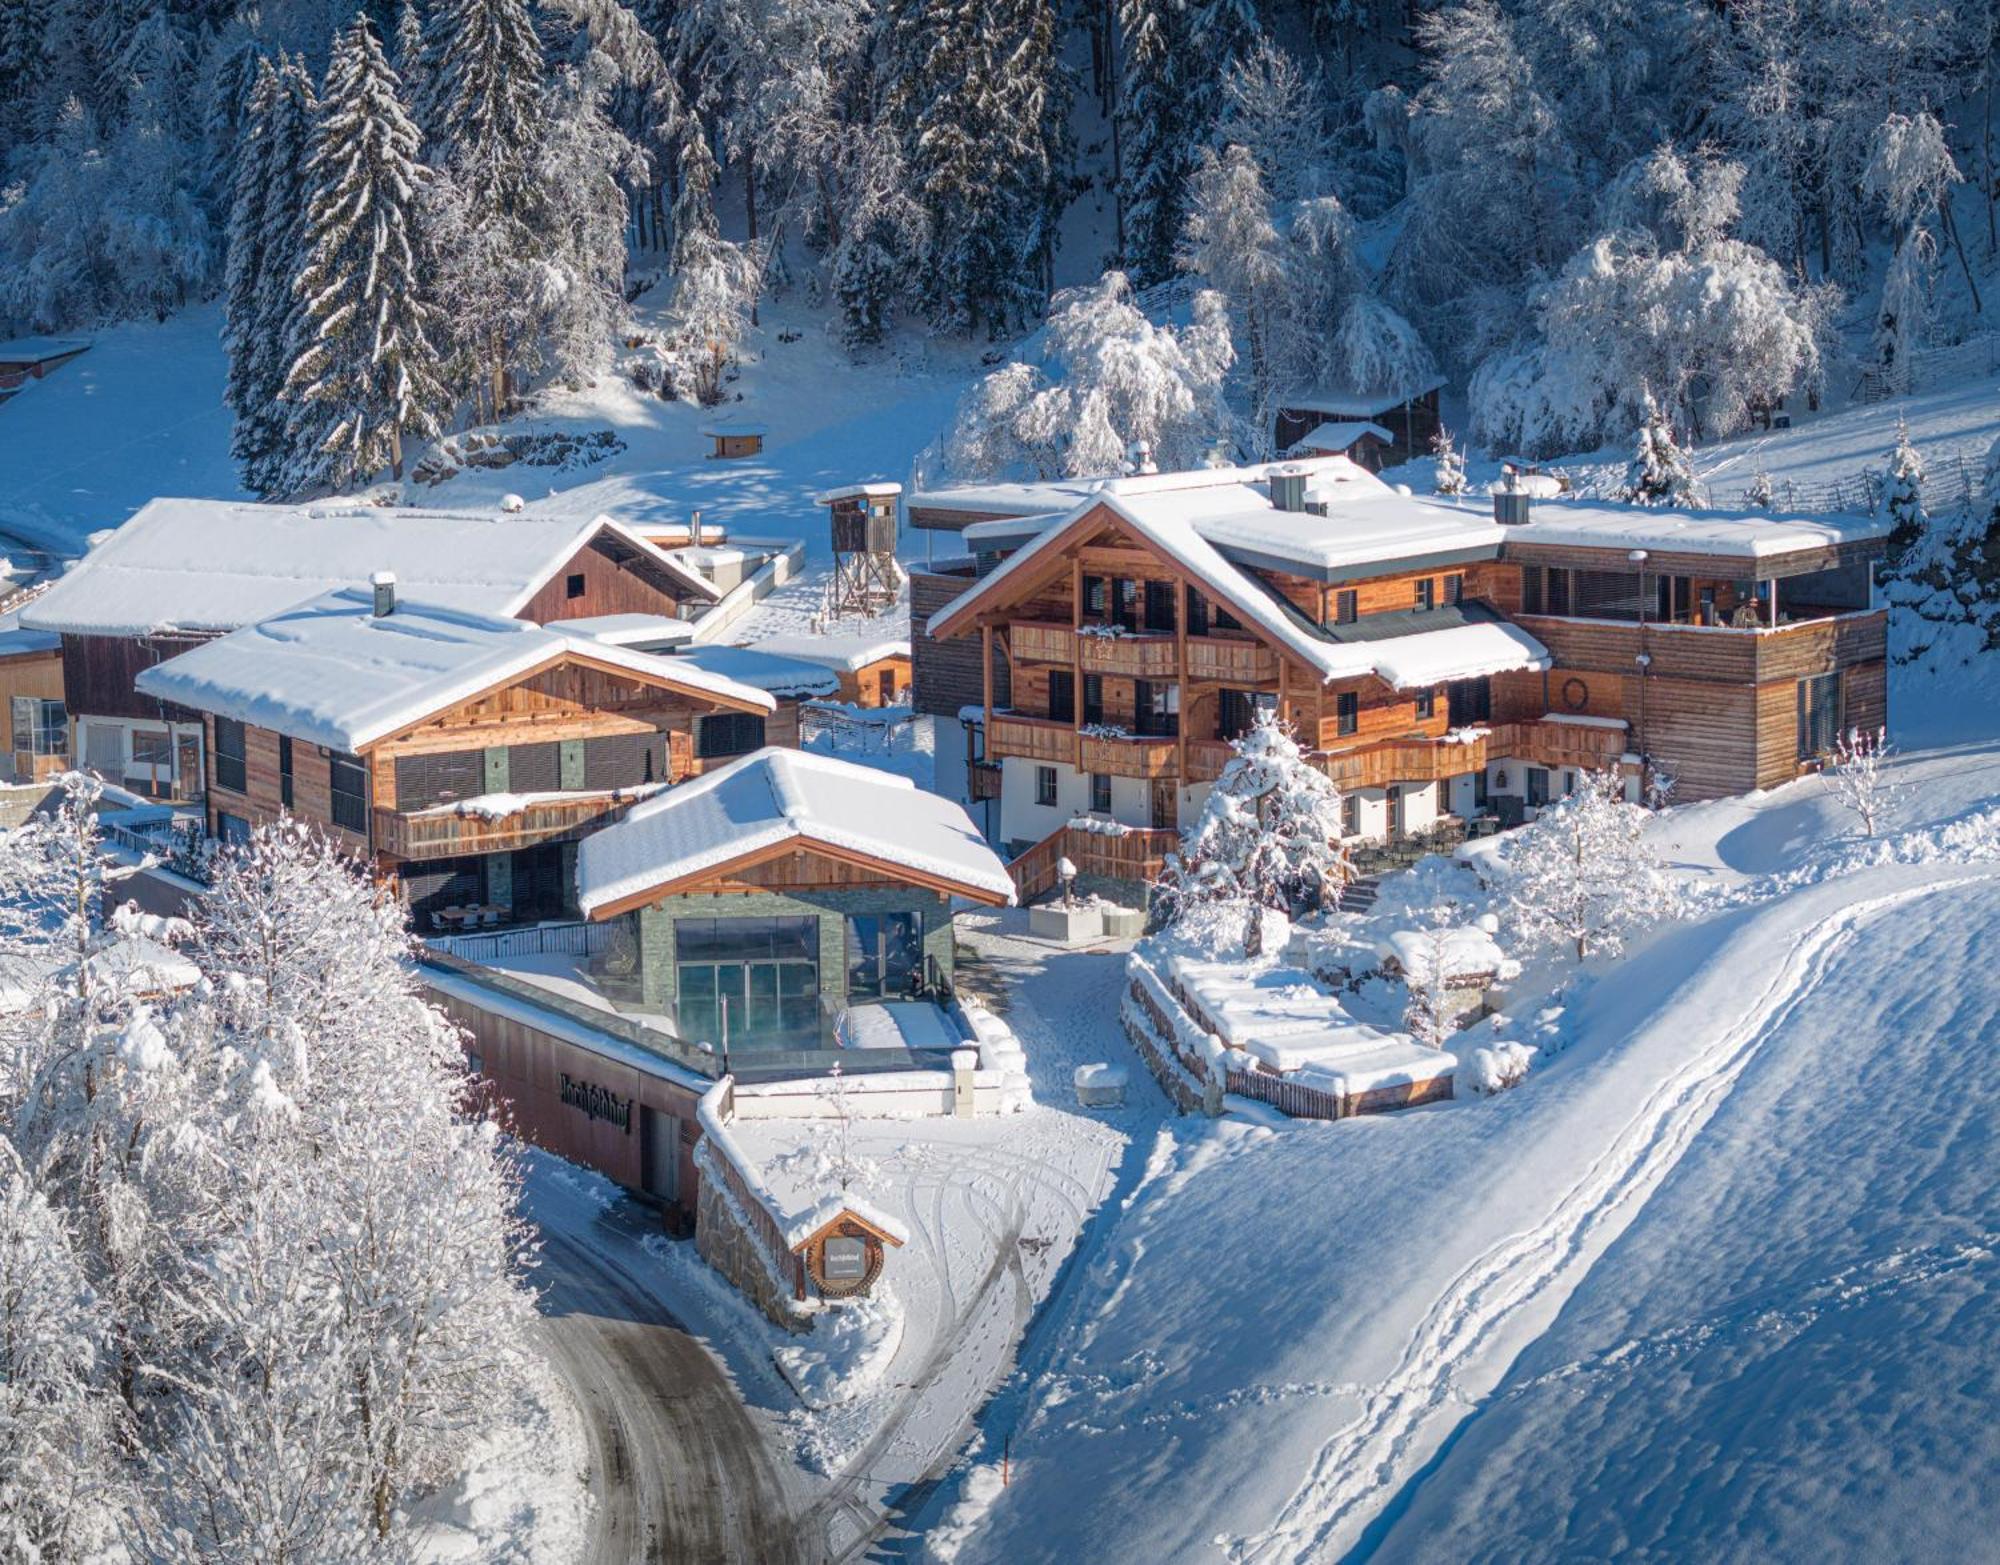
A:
1449, 464
1268, 834
1107, 377
1581, 875
1488, 1070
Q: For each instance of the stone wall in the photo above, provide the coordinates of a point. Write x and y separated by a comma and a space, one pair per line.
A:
723, 1240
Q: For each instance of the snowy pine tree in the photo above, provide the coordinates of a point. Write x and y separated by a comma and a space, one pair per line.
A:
367, 375
1658, 473
1232, 245
1156, 151
1903, 496
1449, 464
1268, 835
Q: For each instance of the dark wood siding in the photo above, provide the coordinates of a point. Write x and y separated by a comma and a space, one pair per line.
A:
945, 674
98, 673
609, 587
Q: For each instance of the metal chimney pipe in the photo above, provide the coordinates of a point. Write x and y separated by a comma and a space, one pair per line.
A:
384, 583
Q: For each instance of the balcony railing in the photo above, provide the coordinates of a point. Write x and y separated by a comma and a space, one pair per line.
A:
1410, 759
1030, 739
1586, 746
1206, 758
1036, 642
442, 833
1132, 657
1231, 662
1139, 755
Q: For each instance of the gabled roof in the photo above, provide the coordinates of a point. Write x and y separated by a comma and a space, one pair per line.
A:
760, 806
1350, 402
805, 1227
332, 672
1340, 437
217, 565
781, 676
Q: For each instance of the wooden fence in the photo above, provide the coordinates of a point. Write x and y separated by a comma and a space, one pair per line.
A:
574, 938
1134, 853
749, 1197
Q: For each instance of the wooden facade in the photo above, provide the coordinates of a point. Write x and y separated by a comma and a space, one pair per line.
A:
32, 676
608, 576
1079, 660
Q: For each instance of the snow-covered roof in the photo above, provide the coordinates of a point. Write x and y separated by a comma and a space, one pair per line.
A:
722, 428
843, 653
1210, 519
778, 796
1433, 657
864, 491
333, 672
1347, 402
1340, 437
1745, 534
631, 630
217, 565
1463, 952
781, 676
34, 350
16, 642
1008, 499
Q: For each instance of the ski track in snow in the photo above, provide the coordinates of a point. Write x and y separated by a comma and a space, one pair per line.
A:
1402, 1419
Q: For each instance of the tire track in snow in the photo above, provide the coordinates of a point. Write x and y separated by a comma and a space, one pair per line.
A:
1367, 1460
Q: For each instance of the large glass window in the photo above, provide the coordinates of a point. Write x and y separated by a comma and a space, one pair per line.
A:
1160, 606
231, 755
1347, 712
1159, 708
285, 770
1819, 714
1469, 701
349, 779
1062, 695
750, 980
885, 954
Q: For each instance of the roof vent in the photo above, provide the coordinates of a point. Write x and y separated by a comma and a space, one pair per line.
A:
1510, 502
384, 583
1288, 489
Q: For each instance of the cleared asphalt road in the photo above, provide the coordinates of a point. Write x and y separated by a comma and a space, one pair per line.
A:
679, 1470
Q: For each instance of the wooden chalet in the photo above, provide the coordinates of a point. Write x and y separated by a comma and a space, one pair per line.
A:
1409, 414
30, 358
730, 440
1358, 439
183, 572
31, 704
1437, 660
463, 755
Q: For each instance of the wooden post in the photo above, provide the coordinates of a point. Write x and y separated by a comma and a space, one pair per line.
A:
1774, 603
1076, 658
1181, 688
986, 681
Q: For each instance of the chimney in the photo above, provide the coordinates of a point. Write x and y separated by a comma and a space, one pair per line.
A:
1510, 502
1142, 457
384, 583
1288, 489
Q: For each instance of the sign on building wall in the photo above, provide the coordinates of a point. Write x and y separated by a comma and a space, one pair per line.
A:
597, 1103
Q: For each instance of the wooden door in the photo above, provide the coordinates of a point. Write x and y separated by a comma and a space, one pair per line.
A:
1166, 803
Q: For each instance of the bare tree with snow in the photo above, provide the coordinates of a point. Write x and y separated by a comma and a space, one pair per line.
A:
1854, 774
1581, 875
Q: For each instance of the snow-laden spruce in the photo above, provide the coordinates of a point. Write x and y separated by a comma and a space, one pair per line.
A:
295, 1261
1269, 834
368, 376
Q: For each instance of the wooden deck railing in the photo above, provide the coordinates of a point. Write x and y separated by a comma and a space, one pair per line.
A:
1136, 853
1586, 746
1132, 657
1030, 739
440, 833
1411, 759
1134, 756
1035, 641
1230, 662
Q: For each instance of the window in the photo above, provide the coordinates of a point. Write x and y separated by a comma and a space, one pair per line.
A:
886, 681
285, 770
1196, 611
1093, 698
845, 1259
1545, 590
753, 980
231, 755
1125, 602
1045, 786
1454, 587
1158, 708
1224, 620
1347, 712
1559, 595
153, 747
1350, 815
1468, 701
349, 781
1427, 705
573, 587
232, 829
1093, 598
1538, 786
41, 727
1346, 606
1234, 712
1062, 696
728, 733
1427, 589
1160, 606
1819, 714
1100, 793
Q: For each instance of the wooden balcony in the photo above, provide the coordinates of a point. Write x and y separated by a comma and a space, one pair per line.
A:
1030, 739
1227, 661
1137, 756
1586, 746
1206, 759
1413, 759
1034, 641
1130, 657
1791, 650
1137, 854
440, 833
